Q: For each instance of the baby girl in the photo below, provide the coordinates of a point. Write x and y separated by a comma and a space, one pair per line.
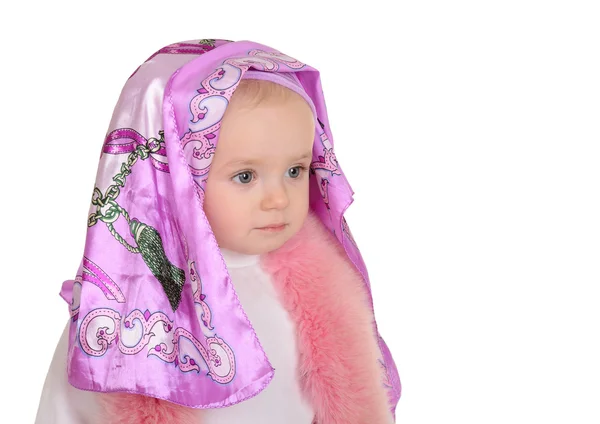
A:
220, 282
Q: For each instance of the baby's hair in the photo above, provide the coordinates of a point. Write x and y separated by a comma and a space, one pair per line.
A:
252, 92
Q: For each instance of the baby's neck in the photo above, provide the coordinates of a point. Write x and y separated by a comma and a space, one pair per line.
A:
235, 259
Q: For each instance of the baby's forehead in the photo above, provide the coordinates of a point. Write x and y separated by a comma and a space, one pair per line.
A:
256, 152
248, 156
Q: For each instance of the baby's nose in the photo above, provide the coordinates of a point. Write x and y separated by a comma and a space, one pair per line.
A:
275, 197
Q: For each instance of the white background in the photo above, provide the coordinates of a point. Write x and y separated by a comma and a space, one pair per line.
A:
475, 166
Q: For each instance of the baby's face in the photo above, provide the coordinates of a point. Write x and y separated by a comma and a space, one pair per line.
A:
259, 175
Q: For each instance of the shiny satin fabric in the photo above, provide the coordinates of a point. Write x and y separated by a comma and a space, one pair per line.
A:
153, 308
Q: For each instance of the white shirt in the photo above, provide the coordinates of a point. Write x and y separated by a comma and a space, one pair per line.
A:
60, 402
280, 402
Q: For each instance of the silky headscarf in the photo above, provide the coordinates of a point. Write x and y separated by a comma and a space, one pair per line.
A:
153, 310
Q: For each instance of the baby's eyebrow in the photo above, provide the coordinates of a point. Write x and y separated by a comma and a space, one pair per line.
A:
238, 162
307, 155
249, 162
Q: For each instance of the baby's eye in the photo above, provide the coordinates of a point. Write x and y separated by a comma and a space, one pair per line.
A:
244, 177
296, 171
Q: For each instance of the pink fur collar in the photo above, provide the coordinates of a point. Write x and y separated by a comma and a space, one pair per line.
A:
338, 350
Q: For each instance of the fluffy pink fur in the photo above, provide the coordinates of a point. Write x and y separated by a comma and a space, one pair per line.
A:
327, 299
125, 408
338, 350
